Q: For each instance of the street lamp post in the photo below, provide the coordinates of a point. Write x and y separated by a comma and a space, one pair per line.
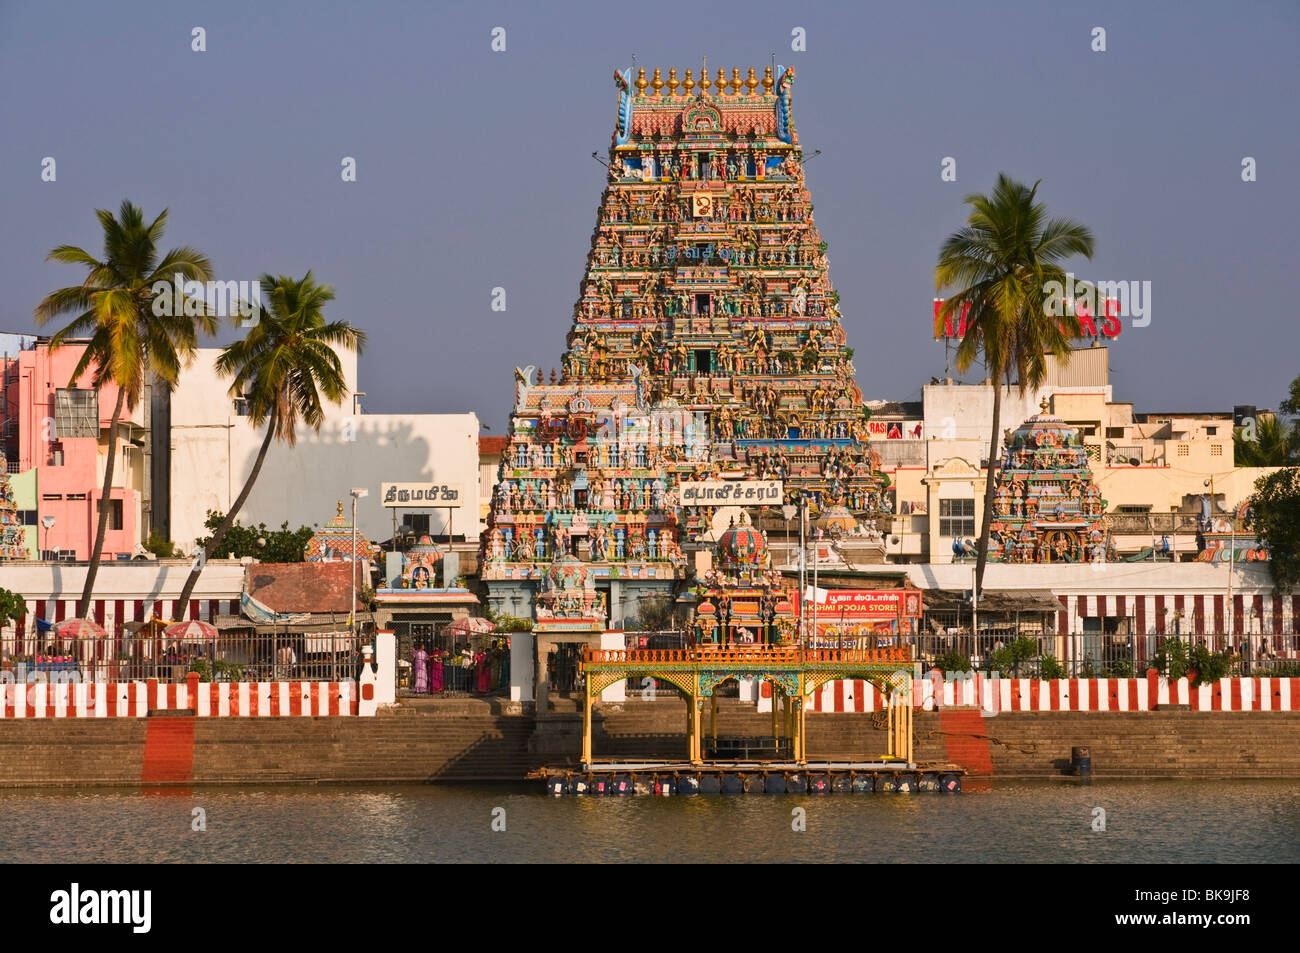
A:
1232, 553
357, 493
48, 523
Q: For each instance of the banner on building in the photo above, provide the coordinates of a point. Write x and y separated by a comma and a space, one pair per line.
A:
868, 603
731, 492
422, 495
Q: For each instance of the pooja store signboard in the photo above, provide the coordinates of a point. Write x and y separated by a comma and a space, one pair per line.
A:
731, 492
415, 495
868, 603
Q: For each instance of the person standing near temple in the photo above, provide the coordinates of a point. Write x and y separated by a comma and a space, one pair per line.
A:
421, 670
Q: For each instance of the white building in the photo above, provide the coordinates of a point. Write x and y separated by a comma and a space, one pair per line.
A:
213, 448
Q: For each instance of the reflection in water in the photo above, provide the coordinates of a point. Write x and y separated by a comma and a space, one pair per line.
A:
1160, 821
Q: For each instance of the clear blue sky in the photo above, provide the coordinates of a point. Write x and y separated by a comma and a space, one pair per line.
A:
475, 169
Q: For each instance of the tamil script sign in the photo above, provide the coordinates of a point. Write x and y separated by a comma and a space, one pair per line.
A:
416, 495
868, 603
731, 492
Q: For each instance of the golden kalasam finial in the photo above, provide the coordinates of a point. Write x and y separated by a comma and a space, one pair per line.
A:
767, 80
1042, 405
339, 515
657, 84
705, 82
641, 83
672, 81
721, 81
689, 85
735, 80
751, 82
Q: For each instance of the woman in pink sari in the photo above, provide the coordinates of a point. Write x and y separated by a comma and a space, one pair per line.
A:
483, 671
435, 672
421, 670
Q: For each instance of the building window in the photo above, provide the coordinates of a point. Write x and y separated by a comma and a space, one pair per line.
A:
1182, 450
76, 412
1114, 433
76, 496
1211, 431
1216, 450
51, 496
1133, 508
114, 513
956, 517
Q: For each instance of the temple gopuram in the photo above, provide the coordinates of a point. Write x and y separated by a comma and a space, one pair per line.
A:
1047, 508
705, 347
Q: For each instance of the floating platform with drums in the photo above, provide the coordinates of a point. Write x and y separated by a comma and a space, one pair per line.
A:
621, 779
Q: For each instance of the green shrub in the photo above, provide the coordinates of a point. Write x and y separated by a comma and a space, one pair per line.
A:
1009, 659
1171, 659
160, 546
1209, 666
1120, 668
953, 661
1049, 668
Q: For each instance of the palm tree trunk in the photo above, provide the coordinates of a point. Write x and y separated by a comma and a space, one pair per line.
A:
228, 522
97, 553
990, 483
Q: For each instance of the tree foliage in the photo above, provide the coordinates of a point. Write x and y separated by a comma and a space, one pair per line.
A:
128, 342
13, 608
1001, 263
1276, 507
283, 545
1271, 444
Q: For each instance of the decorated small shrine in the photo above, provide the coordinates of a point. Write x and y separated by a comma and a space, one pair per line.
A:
335, 540
1047, 508
706, 344
1219, 540
420, 564
569, 601
13, 539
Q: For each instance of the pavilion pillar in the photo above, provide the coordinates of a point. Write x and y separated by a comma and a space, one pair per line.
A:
696, 705
696, 720
801, 726
713, 717
775, 730
586, 722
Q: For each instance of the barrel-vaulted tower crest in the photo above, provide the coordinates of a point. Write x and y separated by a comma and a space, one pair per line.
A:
706, 344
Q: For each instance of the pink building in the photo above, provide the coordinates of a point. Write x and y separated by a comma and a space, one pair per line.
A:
63, 433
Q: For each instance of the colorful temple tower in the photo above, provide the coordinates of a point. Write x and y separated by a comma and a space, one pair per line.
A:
13, 540
706, 345
1047, 509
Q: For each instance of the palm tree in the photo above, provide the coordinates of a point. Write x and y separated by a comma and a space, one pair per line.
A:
1274, 444
128, 342
1000, 262
284, 367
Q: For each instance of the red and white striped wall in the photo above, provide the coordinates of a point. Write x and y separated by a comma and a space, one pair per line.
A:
1068, 694
1201, 613
111, 614
205, 699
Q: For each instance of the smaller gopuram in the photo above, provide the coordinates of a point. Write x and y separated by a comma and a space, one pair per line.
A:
1047, 508
13, 539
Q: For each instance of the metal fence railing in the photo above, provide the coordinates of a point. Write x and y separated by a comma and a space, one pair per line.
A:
1113, 655
312, 656
435, 659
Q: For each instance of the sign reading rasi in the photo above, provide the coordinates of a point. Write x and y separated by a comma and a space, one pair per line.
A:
445, 495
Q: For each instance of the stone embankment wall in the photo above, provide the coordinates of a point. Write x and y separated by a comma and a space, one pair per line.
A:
477, 741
